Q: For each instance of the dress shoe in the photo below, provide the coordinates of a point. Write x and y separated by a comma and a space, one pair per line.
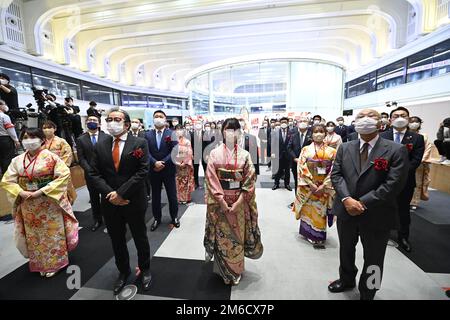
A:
120, 282
146, 279
96, 226
176, 223
339, 286
155, 225
288, 188
404, 244
275, 187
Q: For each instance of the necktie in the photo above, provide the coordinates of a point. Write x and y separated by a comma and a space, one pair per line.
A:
158, 139
301, 139
364, 156
284, 136
93, 139
116, 154
397, 137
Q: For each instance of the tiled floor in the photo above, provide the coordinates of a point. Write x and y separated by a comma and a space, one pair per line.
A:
289, 268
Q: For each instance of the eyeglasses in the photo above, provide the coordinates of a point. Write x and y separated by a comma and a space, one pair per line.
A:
117, 119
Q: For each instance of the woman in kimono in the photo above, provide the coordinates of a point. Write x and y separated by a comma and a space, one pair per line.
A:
423, 171
45, 226
231, 231
62, 149
332, 139
314, 194
185, 169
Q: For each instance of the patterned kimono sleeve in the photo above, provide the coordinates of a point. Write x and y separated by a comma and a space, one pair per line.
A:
189, 154
249, 179
10, 181
302, 167
331, 155
66, 153
214, 189
57, 188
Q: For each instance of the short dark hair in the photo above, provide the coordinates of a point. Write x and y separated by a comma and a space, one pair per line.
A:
93, 116
159, 111
52, 95
399, 109
317, 116
230, 123
331, 123
92, 103
384, 114
49, 124
284, 118
179, 126
125, 114
418, 119
68, 99
33, 133
5, 76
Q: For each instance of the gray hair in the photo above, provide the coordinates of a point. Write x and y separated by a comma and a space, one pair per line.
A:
125, 114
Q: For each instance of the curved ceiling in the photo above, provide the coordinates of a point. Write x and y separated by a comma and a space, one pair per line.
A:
155, 44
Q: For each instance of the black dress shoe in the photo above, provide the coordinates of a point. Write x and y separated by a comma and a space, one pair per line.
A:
339, 286
120, 282
275, 187
146, 279
96, 226
404, 244
155, 225
176, 223
288, 188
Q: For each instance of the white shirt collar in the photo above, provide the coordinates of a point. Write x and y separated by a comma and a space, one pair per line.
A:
371, 142
401, 132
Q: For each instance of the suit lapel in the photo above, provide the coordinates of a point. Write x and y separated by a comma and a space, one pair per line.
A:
108, 145
127, 148
407, 137
377, 152
354, 154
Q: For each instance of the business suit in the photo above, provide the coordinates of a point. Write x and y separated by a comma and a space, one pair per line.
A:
295, 146
85, 151
415, 159
166, 176
129, 182
208, 143
264, 137
377, 190
197, 148
342, 131
279, 147
139, 134
251, 146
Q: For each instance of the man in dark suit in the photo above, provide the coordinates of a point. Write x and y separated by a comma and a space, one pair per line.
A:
280, 153
119, 169
341, 129
368, 173
208, 139
197, 148
416, 147
384, 122
300, 138
136, 128
264, 136
162, 169
85, 150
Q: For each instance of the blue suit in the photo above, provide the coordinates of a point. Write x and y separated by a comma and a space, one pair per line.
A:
166, 176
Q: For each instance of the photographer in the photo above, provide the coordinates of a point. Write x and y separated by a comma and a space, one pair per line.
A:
73, 112
92, 111
443, 141
8, 93
8, 138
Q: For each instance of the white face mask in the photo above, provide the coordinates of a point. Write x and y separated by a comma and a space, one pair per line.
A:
384, 120
303, 125
4, 108
284, 126
366, 125
207, 128
400, 122
316, 122
414, 125
277, 127
135, 126
330, 129
159, 122
198, 126
318, 137
115, 128
4, 82
31, 144
341, 122
174, 123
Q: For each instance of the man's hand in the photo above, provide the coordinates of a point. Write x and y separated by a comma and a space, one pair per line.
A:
116, 199
159, 165
353, 207
17, 144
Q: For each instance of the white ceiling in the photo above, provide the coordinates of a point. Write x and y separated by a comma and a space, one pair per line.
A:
155, 44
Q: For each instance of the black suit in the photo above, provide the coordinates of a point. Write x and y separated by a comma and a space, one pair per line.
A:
377, 190
166, 176
197, 149
251, 145
140, 134
353, 136
342, 131
415, 159
295, 146
129, 183
264, 137
208, 143
282, 157
85, 151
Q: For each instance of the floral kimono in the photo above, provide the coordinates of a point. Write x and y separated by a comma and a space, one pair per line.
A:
231, 237
423, 179
62, 149
314, 168
333, 140
45, 227
185, 174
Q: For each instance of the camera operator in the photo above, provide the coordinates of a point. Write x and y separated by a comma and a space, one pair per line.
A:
92, 110
8, 93
8, 138
73, 112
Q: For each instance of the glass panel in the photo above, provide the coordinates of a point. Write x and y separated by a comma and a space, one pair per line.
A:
116, 96
155, 102
19, 74
441, 59
97, 93
174, 104
136, 100
60, 86
390, 76
362, 85
199, 87
420, 65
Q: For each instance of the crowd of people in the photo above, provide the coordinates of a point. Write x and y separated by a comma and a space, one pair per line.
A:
364, 177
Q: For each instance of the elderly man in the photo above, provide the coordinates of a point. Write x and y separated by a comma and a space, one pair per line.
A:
368, 174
